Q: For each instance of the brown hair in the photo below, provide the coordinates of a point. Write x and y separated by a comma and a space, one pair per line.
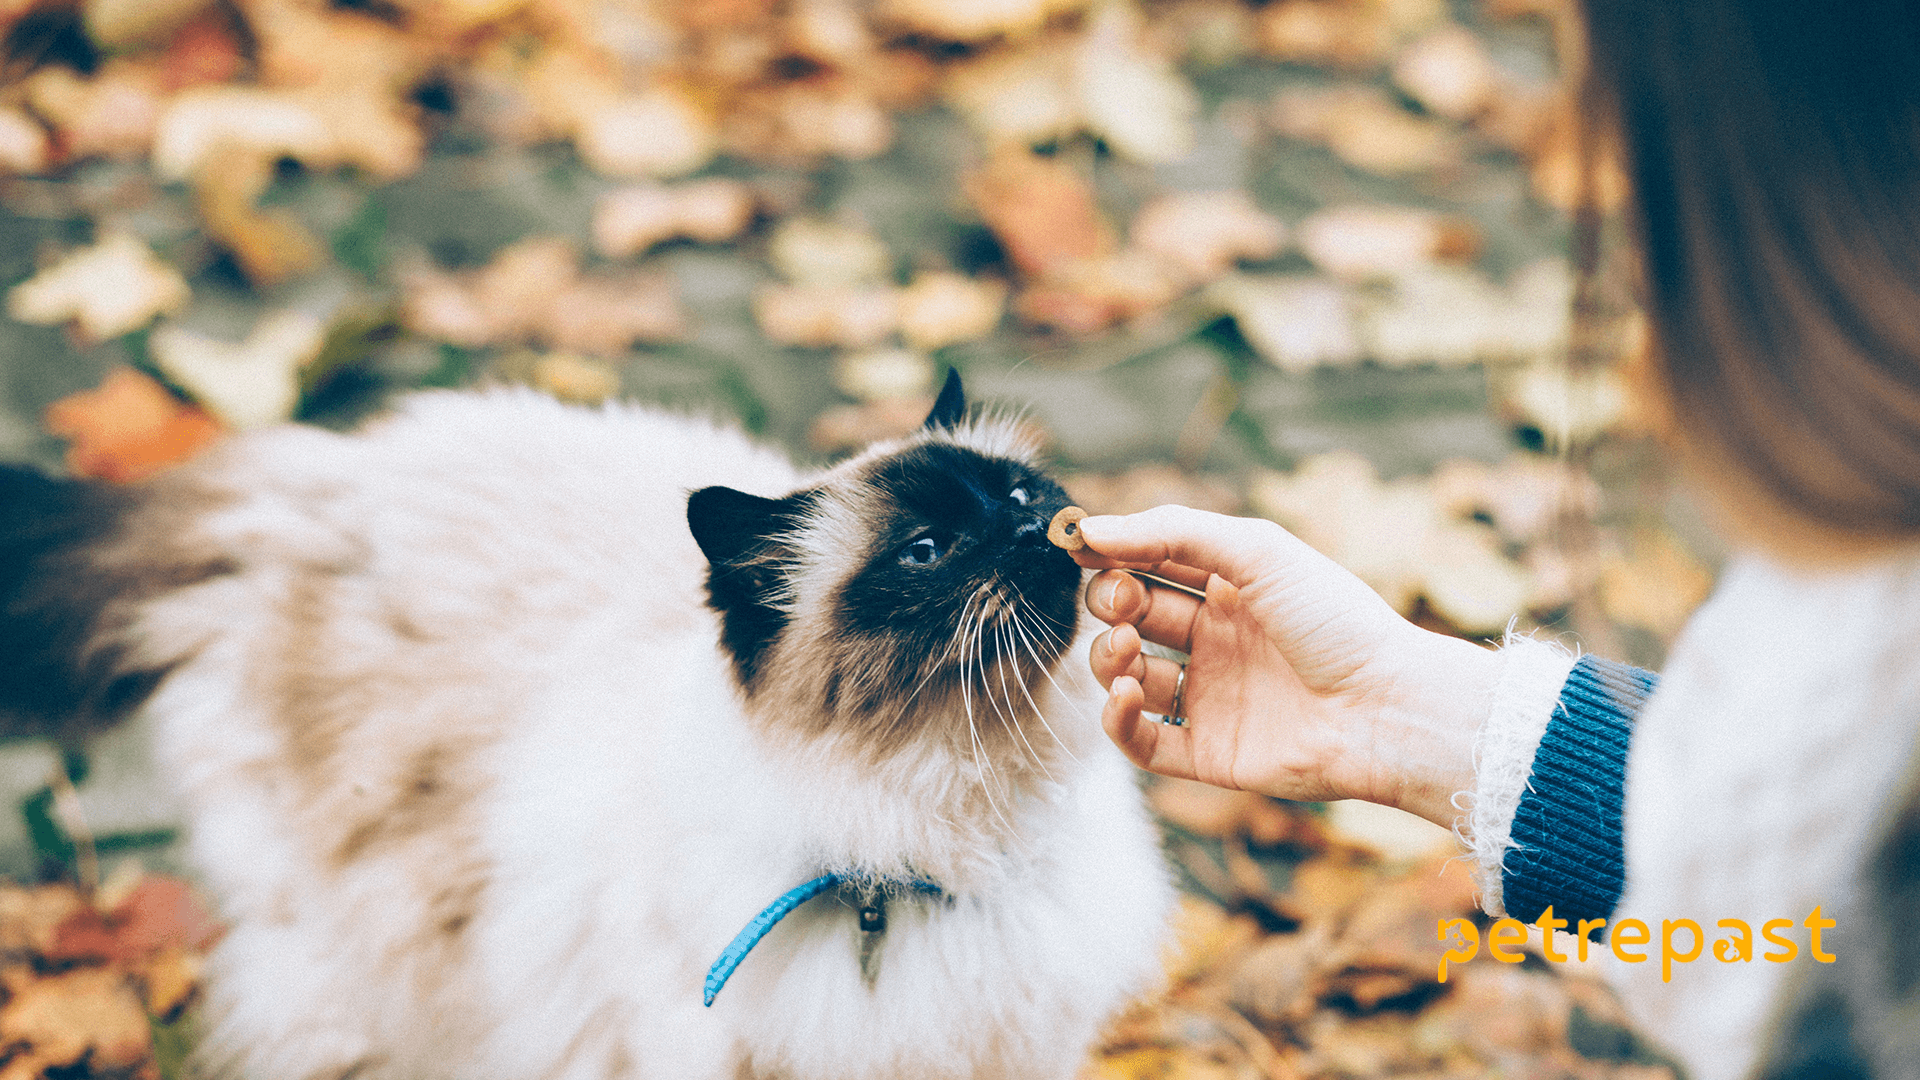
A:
1773, 149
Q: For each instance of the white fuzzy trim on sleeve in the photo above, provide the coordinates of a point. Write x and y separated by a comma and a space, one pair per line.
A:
1523, 703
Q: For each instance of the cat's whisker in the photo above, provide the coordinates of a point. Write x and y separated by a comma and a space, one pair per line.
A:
1006, 647
1040, 715
1037, 711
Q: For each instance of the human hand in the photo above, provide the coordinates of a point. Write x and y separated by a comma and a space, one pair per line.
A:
1302, 682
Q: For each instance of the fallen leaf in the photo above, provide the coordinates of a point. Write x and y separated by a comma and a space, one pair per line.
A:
30, 918
879, 374
605, 315
23, 143
1366, 129
1453, 315
851, 427
114, 287
1523, 496
630, 220
168, 981
248, 383
1204, 233
1449, 72
129, 428
973, 21
1394, 537
823, 316
809, 251
1147, 486
939, 308
112, 114
57, 1020
657, 133
1205, 810
1295, 322
575, 378
1135, 101
1042, 211
1360, 242
119, 23
1567, 408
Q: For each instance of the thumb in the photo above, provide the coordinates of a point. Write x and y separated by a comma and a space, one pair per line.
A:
1238, 549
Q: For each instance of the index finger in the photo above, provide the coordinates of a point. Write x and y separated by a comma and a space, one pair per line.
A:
1237, 549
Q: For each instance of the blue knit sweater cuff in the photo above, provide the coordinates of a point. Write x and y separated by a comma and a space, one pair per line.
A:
1567, 851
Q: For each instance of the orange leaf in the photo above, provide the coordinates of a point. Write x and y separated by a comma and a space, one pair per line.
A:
129, 428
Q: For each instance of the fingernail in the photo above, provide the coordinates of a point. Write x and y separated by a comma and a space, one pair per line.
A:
1105, 590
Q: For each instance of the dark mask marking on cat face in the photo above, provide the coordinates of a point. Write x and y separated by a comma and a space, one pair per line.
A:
745, 540
959, 536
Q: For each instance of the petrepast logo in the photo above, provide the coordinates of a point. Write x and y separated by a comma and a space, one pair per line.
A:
1681, 940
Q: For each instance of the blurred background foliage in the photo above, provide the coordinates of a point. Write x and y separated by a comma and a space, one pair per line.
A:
1343, 263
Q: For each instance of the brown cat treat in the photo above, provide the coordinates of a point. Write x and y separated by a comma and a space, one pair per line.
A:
1064, 530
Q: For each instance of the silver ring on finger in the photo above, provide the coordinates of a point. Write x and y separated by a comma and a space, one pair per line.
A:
1173, 716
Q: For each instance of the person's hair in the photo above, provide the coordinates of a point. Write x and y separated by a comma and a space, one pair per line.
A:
1773, 155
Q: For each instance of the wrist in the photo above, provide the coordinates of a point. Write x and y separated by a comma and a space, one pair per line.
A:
1420, 750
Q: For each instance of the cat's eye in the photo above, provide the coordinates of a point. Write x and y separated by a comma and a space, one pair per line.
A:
922, 552
1019, 495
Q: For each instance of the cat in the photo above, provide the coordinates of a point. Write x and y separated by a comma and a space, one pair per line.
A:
500, 721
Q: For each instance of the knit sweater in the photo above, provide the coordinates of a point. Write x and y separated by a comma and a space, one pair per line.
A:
1772, 771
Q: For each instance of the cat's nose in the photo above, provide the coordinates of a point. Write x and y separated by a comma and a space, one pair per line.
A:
1030, 534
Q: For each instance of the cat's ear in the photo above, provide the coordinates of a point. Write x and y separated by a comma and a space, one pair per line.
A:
951, 406
741, 536
735, 529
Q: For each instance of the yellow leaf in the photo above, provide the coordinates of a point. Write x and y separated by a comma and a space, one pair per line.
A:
248, 383
112, 288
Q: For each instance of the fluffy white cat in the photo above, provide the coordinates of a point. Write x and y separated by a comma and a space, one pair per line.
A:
494, 740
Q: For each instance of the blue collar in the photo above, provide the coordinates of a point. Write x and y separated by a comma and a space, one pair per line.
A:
757, 928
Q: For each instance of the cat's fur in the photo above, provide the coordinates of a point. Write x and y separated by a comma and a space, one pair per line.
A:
457, 703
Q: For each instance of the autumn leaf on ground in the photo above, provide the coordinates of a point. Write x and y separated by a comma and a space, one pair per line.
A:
824, 316
1361, 242
1449, 72
1453, 315
810, 251
129, 428
939, 308
1394, 537
1105, 80
575, 378
23, 143
1366, 129
114, 287
1204, 233
57, 1021
112, 114
846, 428
1294, 321
630, 220
1144, 487
1344, 33
1042, 211
1567, 408
159, 913
247, 383
944, 20
879, 374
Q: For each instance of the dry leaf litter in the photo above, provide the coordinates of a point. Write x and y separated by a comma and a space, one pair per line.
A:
1306, 259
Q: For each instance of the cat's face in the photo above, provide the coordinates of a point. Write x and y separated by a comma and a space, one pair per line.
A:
908, 576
